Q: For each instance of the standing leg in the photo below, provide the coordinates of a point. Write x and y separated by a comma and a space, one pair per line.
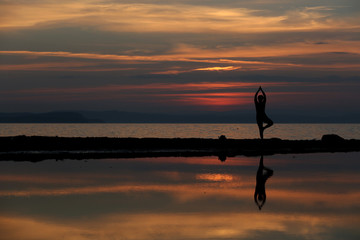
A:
261, 130
261, 163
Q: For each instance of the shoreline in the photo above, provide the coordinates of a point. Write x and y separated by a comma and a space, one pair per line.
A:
37, 148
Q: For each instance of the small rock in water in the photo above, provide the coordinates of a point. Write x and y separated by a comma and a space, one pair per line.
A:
222, 137
332, 139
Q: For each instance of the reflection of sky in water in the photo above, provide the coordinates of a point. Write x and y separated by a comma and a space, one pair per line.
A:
310, 196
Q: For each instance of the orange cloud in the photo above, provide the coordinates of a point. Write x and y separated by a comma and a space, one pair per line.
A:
204, 94
140, 17
272, 50
189, 54
173, 87
214, 103
228, 68
211, 100
219, 69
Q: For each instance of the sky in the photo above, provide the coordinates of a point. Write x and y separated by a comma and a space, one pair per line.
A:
180, 56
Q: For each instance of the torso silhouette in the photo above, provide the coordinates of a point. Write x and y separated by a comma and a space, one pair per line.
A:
260, 109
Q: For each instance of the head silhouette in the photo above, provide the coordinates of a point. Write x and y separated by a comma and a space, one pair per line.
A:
260, 197
260, 98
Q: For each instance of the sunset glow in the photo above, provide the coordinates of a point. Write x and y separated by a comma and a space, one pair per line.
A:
96, 55
179, 120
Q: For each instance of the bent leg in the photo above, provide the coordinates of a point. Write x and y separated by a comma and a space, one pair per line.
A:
268, 173
268, 122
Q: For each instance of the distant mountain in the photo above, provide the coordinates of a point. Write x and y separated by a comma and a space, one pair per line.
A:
49, 117
245, 116
133, 117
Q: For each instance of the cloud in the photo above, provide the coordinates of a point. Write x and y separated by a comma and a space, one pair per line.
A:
227, 68
241, 58
167, 17
114, 45
155, 88
216, 96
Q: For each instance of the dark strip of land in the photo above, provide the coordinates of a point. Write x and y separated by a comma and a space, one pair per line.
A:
36, 148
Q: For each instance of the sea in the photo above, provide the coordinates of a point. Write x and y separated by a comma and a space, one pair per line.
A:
305, 196
235, 131
283, 196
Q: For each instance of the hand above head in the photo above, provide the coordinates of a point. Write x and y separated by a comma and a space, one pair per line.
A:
261, 90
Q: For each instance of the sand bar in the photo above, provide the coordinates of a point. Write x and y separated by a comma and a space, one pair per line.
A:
35, 148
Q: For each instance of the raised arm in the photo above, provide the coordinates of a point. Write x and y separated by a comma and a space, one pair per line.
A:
256, 94
263, 93
262, 204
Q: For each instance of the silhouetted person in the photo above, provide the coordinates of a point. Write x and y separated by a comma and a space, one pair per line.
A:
263, 173
261, 117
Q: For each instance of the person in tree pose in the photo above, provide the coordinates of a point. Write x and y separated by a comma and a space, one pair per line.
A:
261, 117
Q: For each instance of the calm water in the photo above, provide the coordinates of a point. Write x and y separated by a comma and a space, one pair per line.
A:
283, 131
309, 196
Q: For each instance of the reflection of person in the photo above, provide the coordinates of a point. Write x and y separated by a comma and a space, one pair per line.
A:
261, 117
263, 173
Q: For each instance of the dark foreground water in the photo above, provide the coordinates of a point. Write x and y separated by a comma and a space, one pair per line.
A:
309, 196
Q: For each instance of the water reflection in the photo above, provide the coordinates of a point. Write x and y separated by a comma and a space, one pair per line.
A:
263, 173
181, 198
222, 156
